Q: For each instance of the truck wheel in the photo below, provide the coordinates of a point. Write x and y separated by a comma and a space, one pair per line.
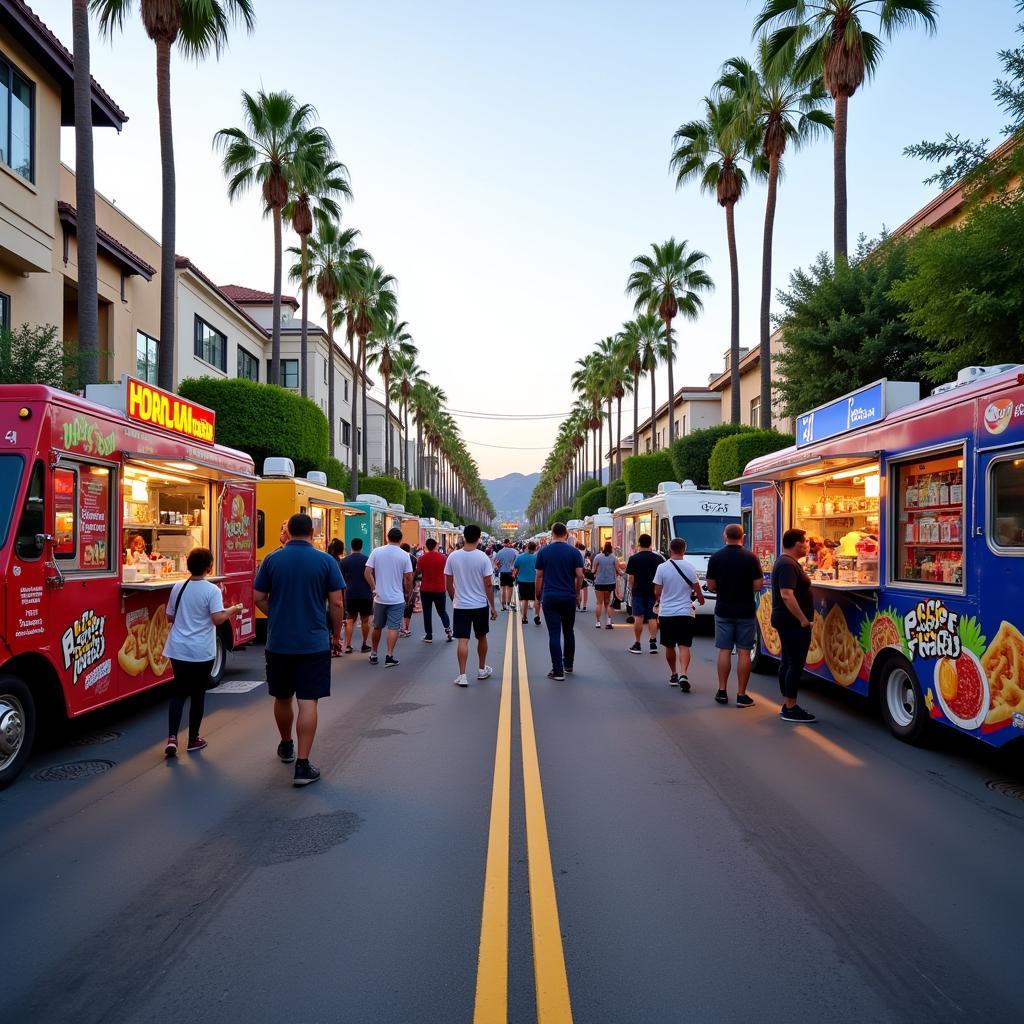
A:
903, 707
17, 727
220, 659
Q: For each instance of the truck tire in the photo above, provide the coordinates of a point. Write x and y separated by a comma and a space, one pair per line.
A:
901, 701
18, 717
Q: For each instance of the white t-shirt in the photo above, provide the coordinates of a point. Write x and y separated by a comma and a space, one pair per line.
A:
193, 636
676, 593
469, 569
389, 564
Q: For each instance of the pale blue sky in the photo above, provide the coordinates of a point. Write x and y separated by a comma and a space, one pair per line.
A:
508, 161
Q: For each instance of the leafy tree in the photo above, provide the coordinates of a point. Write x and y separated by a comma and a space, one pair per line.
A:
33, 354
845, 327
429, 505
731, 454
690, 454
616, 494
387, 343
414, 503
964, 293
645, 472
337, 475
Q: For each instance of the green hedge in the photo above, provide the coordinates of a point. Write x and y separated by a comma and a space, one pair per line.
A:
263, 420
616, 494
414, 502
582, 491
447, 514
645, 472
338, 476
429, 505
690, 454
560, 515
731, 454
592, 501
391, 489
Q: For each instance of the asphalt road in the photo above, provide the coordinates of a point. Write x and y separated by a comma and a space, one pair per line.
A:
708, 863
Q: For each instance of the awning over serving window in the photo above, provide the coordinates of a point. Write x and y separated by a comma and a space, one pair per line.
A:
190, 466
815, 465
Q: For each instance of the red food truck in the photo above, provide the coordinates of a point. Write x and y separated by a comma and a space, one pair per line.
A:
101, 499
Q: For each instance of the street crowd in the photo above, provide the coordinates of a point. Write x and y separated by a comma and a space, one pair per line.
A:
315, 601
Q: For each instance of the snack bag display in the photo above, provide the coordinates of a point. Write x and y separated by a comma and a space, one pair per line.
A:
1003, 662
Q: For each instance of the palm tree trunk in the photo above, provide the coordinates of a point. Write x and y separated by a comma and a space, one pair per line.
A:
405, 443
419, 451
766, 294
85, 201
618, 439
734, 334
389, 455
331, 417
304, 342
366, 433
165, 350
671, 384
839, 210
595, 466
654, 418
354, 439
636, 413
275, 342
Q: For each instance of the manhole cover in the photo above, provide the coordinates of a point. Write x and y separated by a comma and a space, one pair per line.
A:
1014, 790
95, 738
72, 770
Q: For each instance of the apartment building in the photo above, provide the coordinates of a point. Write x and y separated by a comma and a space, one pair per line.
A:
695, 407
750, 388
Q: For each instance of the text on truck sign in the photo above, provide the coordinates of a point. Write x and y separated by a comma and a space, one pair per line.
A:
155, 408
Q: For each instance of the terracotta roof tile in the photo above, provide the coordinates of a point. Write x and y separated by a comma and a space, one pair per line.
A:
239, 293
67, 213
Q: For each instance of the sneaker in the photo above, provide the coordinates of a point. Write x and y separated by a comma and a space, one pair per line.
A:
743, 701
461, 680
390, 662
373, 658
684, 684
597, 625
568, 670
636, 649
448, 634
348, 650
428, 639
286, 751
405, 632
722, 697
525, 620
197, 744
673, 680
365, 649
485, 673
555, 675
536, 620
305, 774
608, 625
796, 714
171, 750
654, 647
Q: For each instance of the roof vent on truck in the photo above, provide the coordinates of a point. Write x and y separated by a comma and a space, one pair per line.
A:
634, 496
279, 468
969, 374
396, 507
668, 485
315, 476
687, 485
604, 510
372, 499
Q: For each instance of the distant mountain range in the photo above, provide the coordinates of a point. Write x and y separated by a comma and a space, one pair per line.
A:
510, 494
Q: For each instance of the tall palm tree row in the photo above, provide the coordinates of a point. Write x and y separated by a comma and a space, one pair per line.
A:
390, 342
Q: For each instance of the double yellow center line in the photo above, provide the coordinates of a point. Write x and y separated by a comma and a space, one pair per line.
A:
551, 982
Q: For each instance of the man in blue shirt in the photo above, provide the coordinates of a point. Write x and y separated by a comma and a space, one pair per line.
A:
559, 579
524, 570
292, 587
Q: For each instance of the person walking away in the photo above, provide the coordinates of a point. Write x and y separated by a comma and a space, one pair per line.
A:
734, 575
195, 609
640, 570
606, 569
432, 591
358, 596
410, 602
524, 570
389, 573
792, 616
504, 560
559, 579
588, 576
676, 588
291, 588
468, 573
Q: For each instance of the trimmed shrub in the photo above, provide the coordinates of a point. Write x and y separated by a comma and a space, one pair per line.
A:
690, 454
414, 502
390, 488
582, 491
337, 476
592, 501
731, 454
645, 472
429, 505
263, 420
560, 515
616, 494
447, 514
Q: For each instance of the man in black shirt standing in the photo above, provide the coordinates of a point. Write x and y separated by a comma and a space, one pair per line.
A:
792, 616
640, 569
734, 576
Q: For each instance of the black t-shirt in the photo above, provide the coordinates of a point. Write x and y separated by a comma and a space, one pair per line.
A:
353, 567
788, 574
734, 569
642, 566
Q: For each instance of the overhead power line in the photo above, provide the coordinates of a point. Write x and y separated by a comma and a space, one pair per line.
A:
509, 448
469, 414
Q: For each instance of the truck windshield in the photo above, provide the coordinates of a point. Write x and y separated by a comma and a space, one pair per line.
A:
703, 534
11, 468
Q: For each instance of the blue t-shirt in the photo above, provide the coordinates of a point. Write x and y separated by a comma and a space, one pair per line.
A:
559, 562
505, 559
298, 579
353, 569
527, 566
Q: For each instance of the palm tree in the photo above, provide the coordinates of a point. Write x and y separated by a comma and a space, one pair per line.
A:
586, 382
712, 151
197, 26
668, 282
278, 145
316, 189
384, 345
609, 354
406, 375
831, 43
780, 111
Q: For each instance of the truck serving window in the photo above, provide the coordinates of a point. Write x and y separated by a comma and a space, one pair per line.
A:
11, 467
703, 534
1006, 508
31, 522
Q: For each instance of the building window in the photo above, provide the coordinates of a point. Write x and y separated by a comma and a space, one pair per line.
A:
345, 382
5, 312
684, 424
648, 443
346, 433
325, 371
248, 365
210, 345
17, 120
289, 373
755, 411
359, 440
147, 352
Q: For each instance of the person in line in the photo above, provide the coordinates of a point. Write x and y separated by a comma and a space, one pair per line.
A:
734, 575
195, 609
410, 601
432, 591
792, 615
524, 570
504, 560
389, 573
676, 588
606, 570
358, 596
588, 576
640, 570
292, 586
559, 580
468, 573
336, 549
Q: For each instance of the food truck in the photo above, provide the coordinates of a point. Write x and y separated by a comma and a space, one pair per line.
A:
374, 517
101, 499
407, 523
577, 533
598, 529
446, 535
676, 510
915, 511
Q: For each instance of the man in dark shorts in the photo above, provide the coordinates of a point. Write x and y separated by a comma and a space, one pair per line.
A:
524, 570
504, 560
468, 579
792, 616
675, 590
292, 587
559, 581
640, 569
358, 596
734, 576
